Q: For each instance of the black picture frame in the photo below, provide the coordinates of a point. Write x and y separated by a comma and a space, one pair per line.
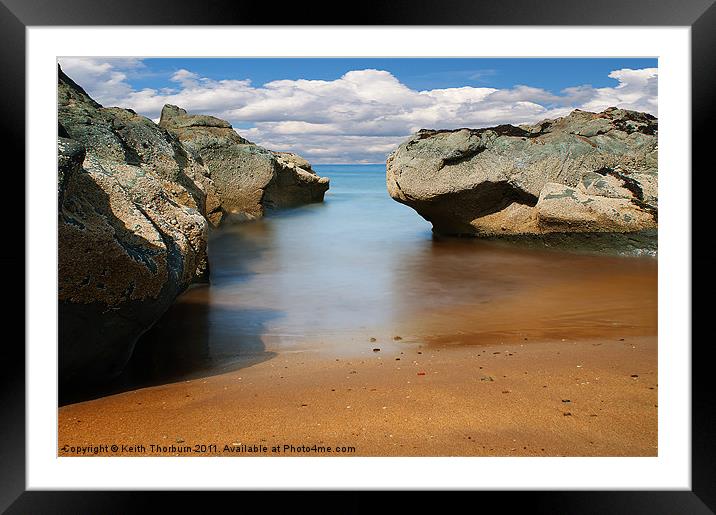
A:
700, 15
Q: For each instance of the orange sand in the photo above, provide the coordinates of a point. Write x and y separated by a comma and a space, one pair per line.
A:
588, 397
559, 360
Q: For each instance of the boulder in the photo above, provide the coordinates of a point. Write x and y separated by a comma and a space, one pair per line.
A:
585, 172
249, 178
132, 226
295, 159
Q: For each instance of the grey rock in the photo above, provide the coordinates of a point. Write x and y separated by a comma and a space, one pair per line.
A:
70, 156
585, 172
132, 228
295, 159
564, 209
249, 178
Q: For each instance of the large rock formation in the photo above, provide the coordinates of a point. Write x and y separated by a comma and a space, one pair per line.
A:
585, 172
132, 227
249, 178
135, 201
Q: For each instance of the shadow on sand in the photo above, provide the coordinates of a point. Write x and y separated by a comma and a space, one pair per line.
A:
201, 334
192, 340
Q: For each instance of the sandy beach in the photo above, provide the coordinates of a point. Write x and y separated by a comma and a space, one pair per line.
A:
572, 398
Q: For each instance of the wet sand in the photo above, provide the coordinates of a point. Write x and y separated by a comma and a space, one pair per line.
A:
563, 366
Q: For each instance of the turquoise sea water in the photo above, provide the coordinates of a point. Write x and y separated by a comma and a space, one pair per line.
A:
324, 268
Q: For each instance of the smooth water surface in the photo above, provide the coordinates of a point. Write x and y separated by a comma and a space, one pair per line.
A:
328, 277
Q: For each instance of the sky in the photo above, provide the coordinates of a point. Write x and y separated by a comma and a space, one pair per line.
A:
359, 110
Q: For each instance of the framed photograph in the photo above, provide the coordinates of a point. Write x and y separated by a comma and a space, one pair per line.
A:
431, 249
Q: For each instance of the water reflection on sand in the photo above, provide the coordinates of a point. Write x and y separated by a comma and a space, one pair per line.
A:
328, 277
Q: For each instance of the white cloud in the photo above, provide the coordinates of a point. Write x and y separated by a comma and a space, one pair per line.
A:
186, 78
359, 117
104, 79
637, 90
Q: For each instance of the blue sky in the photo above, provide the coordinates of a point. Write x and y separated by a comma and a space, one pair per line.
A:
550, 74
358, 110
